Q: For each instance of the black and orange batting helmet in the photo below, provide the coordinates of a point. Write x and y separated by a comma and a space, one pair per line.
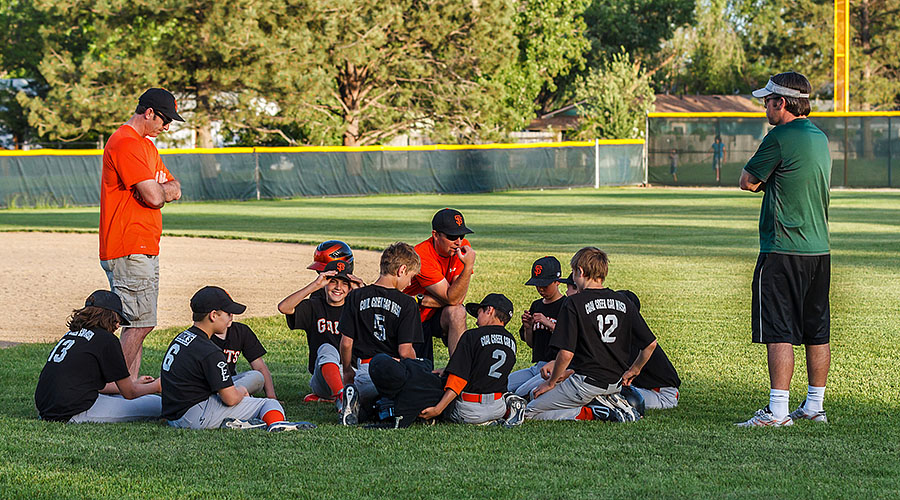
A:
330, 250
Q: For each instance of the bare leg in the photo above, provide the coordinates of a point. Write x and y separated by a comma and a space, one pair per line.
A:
818, 362
781, 365
132, 343
453, 321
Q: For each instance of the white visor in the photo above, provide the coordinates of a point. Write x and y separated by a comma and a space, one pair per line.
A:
774, 88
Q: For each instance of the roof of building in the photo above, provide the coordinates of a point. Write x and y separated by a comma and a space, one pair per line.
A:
566, 118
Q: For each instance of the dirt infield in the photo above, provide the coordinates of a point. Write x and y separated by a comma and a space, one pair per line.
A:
46, 275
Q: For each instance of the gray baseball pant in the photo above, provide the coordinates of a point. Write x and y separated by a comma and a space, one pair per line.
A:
661, 399
252, 380
326, 353
209, 414
564, 401
523, 381
110, 408
470, 412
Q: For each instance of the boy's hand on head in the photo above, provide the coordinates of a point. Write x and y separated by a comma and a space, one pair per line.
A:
322, 278
355, 282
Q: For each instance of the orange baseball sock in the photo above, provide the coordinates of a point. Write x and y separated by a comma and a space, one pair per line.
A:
332, 374
586, 414
273, 416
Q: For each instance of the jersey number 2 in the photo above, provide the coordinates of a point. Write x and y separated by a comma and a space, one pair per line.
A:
606, 334
500, 356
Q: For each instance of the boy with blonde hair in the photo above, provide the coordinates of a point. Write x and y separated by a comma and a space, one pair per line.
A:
594, 333
378, 318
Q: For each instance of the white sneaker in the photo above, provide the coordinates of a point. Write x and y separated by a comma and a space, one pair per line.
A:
802, 414
764, 418
242, 425
290, 426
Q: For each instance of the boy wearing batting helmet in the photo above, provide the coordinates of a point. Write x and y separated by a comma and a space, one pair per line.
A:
538, 323
197, 389
478, 371
86, 379
378, 318
593, 334
319, 315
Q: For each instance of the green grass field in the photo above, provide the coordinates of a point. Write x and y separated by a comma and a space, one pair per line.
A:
688, 253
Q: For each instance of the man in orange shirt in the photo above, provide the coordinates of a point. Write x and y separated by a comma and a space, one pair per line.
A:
134, 185
448, 261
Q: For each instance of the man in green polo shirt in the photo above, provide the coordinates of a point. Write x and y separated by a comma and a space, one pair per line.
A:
793, 272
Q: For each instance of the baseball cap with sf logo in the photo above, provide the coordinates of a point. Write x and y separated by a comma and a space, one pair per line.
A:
544, 271
450, 222
341, 268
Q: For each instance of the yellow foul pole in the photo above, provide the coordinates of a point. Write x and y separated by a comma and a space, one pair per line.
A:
842, 55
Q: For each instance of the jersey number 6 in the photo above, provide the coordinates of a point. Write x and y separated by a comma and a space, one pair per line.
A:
170, 356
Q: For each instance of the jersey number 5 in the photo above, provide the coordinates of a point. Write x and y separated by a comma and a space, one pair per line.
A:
170, 356
379, 327
606, 334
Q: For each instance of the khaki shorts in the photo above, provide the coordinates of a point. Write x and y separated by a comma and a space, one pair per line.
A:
135, 279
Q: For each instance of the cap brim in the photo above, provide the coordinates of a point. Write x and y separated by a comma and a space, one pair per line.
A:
316, 266
122, 319
540, 281
177, 117
472, 308
760, 93
235, 308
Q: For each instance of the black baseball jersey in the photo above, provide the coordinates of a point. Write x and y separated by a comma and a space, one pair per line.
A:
484, 357
320, 321
379, 319
658, 372
193, 369
540, 336
239, 339
599, 326
81, 364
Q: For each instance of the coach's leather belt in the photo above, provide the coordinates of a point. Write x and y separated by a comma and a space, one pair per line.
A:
472, 397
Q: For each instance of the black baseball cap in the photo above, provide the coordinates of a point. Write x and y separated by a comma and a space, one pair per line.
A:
343, 269
568, 280
105, 299
213, 298
161, 100
496, 300
545, 271
450, 222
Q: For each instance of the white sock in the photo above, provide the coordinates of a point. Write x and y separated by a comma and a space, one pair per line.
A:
778, 403
815, 398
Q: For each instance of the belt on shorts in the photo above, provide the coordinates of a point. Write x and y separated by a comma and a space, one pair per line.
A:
472, 397
596, 383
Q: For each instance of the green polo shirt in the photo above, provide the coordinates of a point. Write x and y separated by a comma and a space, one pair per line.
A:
794, 162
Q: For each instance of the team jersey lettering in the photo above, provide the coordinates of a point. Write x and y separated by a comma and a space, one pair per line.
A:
325, 326
611, 304
83, 333
380, 303
541, 326
498, 340
223, 366
185, 338
231, 355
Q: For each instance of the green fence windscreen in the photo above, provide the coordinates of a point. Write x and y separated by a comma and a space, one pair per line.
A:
865, 151
74, 180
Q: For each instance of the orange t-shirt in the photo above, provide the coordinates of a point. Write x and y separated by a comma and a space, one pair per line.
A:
434, 269
127, 226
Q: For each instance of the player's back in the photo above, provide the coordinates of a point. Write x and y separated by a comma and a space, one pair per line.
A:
379, 319
484, 357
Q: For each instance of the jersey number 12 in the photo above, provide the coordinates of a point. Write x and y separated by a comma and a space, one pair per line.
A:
606, 334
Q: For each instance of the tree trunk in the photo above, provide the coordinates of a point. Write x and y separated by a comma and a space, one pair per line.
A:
351, 84
865, 35
203, 115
